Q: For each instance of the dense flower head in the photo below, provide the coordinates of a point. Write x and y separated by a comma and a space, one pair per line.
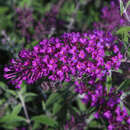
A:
108, 106
25, 21
43, 27
48, 23
111, 18
70, 56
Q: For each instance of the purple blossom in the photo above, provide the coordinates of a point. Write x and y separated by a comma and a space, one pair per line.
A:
25, 21
111, 19
107, 114
65, 61
82, 54
111, 127
107, 106
96, 115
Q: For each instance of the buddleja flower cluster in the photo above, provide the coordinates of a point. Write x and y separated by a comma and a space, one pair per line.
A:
25, 21
65, 58
108, 107
43, 27
79, 57
111, 18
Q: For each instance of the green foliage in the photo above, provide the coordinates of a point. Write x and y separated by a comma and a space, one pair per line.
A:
128, 4
124, 32
3, 10
109, 82
56, 108
26, 3
13, 117
94, 124
81, 106
121, 7
52, 112
43, 119
124, 85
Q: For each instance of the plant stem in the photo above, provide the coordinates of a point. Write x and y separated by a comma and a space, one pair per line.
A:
25, 109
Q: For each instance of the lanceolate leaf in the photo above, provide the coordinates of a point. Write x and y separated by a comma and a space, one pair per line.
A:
43, 119
16, 110
3, 10
121, 7
53, 98
109, 83
56, 108
124, 85
123, 30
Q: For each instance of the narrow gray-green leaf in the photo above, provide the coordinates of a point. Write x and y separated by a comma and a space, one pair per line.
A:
109, 83
121, 7
52, 98
82, 106
43, 119
56, 108
3, 10
16, 110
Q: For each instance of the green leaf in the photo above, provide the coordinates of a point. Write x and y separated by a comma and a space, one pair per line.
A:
109, 82
11, 92
43, 119
56, 108
128, 110
124, 85
91, 109
121, 7
5, 88
9, 119
8, 127
3, 10
108, 53
25, 2
123, 30
36, 126
75, 109
90, 118
19, 118
2, 101
32, 44
43, 105
52, 98
29, 96
16, 110
13, 117
5, 118
97, 79
118, 71
128, 3
3, 85
82, 106
94, 123
23, 88
65, 84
